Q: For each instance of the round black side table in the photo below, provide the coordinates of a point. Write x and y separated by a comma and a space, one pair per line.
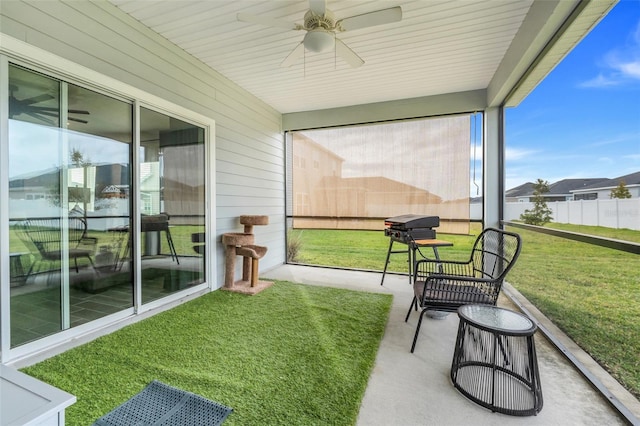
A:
494, 362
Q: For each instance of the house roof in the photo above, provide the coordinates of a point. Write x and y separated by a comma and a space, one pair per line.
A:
369, 182
561, 187
500, 49
630, 179
568, 186
565, 186
525, 189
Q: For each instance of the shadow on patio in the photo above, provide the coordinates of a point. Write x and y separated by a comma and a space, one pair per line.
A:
412, 389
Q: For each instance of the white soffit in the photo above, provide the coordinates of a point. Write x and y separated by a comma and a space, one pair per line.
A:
439, 47
583, 20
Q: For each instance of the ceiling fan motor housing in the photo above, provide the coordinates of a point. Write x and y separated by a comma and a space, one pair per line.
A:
320, 35
326, 21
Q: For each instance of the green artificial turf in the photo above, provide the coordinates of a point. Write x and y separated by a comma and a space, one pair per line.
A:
290, 355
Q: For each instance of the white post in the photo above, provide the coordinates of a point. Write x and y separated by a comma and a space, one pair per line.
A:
493, 167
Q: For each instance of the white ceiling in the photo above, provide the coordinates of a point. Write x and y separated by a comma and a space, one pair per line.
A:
440, 46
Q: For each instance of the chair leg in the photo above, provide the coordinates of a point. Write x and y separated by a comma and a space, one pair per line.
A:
93, 265
415, 337
413, 302
33, 264
29, 271
172, 248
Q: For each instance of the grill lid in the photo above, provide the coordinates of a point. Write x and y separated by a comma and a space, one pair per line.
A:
410, 221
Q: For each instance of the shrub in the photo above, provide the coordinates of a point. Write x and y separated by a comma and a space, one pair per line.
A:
540, 214
294, 245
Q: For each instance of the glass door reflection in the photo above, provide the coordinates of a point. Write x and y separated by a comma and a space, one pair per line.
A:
69, 178
172, 197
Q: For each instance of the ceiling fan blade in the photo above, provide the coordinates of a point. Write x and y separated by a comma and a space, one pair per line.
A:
78, 120
36, 99
42, 109
41, 118
266, 21
42, 113
295, 54
55, 112
318, 6
347, 54
379, 17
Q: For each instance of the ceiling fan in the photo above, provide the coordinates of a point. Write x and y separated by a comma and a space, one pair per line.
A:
322, 26
29, 107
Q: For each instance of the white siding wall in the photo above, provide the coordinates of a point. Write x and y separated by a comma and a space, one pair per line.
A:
249, 145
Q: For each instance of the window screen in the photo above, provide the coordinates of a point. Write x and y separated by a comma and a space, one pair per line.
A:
355, 177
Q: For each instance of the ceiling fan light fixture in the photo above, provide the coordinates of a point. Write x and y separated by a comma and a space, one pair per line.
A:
319, 40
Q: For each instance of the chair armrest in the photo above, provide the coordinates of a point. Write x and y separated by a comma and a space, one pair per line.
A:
88, 242
453, 262
462, 279
428, 267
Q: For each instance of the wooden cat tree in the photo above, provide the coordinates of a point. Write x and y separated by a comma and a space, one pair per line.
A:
243, 244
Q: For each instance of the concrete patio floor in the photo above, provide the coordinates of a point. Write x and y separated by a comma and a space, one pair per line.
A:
415, 389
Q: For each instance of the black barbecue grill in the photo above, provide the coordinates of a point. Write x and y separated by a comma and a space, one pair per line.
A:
407, 229
411, 227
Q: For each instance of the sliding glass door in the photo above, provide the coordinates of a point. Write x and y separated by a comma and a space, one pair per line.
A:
172, 200
70, 152
79, 251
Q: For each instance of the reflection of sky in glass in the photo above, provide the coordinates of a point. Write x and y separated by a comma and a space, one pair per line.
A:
34, 148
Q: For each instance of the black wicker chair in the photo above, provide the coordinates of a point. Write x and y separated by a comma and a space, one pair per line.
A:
442, 285
45, 235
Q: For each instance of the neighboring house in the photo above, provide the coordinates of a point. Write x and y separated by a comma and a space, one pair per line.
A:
520, 193
45, 185
602, 190
563, 189
369, 197
321, 192
311, 163
558, 191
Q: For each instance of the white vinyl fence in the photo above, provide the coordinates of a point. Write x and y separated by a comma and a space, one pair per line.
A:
613, 213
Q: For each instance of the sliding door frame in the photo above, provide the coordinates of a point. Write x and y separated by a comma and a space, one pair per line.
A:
28, 56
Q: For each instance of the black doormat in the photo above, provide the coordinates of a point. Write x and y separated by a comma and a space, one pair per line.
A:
161, 404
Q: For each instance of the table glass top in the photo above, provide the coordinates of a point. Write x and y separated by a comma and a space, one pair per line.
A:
494, 317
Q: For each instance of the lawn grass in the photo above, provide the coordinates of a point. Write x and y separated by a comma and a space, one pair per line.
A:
368, 249
592, 293
292, 354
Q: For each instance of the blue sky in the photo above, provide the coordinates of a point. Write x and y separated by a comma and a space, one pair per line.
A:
583, 120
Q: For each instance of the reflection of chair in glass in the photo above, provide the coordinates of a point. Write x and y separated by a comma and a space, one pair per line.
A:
159, 222
441, 285
199, 243
46, 236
